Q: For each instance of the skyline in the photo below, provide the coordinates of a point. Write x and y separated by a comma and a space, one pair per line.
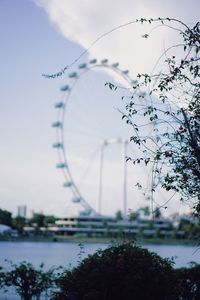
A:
38, 40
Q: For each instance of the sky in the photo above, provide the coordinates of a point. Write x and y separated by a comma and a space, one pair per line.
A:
43, 36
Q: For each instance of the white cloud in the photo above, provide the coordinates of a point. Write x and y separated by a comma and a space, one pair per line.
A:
84, 21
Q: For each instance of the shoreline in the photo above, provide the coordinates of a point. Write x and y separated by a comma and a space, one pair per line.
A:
109, 241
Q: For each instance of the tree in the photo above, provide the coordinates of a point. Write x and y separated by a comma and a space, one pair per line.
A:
49, 219
157, 213
38, 219
145, 210
5, 217
133, 215
169, 102
19, 223
119, 215
29, 282
119, 272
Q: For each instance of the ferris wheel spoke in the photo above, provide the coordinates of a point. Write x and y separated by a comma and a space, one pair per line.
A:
78, 133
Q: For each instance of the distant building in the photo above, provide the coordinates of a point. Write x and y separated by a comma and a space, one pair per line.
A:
22, 211
31, 214
99, 226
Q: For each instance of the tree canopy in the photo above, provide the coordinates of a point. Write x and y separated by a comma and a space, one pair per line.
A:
169, 103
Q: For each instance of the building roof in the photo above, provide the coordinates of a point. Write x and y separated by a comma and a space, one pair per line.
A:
4, 228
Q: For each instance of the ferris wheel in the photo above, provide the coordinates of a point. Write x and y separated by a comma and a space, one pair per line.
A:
83, 130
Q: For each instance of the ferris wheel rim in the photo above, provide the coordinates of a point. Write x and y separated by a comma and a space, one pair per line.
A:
60, 124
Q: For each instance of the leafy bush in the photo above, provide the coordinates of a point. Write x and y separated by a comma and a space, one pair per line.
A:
119, 272
2, 278
188, 282
123, 272
28, 281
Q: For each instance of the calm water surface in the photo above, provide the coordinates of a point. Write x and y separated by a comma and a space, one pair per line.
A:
65, 254
51, 254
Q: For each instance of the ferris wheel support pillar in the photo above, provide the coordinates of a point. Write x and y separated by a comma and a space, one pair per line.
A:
124, 154
100, 179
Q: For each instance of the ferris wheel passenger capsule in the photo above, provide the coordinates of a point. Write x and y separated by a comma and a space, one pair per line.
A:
64, 88
115, 65
61, 166
85, 212
125, 72
134, 82
76, 200
58, 145
142, 94
67, 184
59, 105
72, 75
82, 66
57, 124
104, 61
93, 61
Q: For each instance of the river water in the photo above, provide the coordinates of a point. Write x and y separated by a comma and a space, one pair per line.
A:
68, 254
65, 254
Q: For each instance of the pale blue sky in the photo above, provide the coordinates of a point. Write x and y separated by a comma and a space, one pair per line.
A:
29, 45
34, 41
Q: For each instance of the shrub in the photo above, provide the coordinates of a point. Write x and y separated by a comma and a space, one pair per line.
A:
123, 272
188, 282
120, 272
28, 281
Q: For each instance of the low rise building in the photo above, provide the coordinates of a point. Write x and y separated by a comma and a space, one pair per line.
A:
110, 226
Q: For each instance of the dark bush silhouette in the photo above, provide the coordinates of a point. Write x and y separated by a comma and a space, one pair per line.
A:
29, 282
123, 272
120, 272
188, 282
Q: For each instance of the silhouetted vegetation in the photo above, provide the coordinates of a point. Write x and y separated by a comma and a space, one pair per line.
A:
123, 271
28, 282
188, 282
170, 104
119, 272
5, 217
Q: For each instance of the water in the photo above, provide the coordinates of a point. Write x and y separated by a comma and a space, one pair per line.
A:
68, 254
65, 254
182, 255
51, 254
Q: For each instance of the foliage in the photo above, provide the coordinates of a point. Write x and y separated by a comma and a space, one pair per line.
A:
145, 210
133, 215
38, 219
119, 215
18, 223
157, 213
137, 21
124, 271
191, 227
188, 282
119, 272
2, 278
28, 281
5, 217
168, 104
49, 219
42, 220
